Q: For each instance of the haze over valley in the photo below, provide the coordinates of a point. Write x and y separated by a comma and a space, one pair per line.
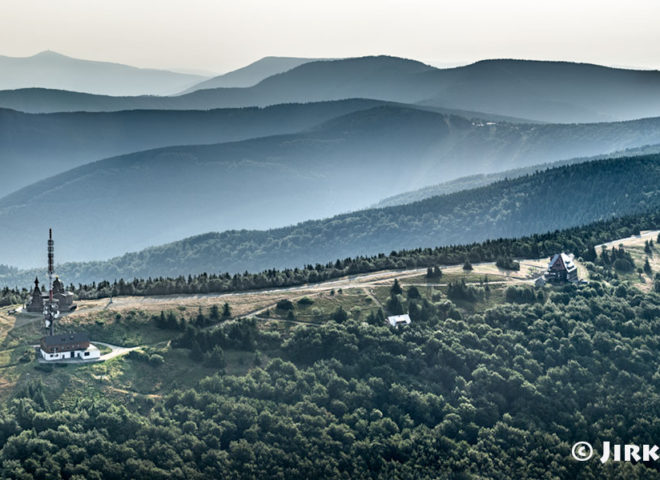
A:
284, 140
535, 203
346, 163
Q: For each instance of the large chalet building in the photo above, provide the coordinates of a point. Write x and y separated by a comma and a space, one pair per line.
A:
560, 269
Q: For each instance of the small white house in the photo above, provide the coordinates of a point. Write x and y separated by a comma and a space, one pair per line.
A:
396, 320
68, 346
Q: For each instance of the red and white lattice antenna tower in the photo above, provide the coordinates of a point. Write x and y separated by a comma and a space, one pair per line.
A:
51, 263
51, 311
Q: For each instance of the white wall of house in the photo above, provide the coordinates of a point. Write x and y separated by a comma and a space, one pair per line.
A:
90, 353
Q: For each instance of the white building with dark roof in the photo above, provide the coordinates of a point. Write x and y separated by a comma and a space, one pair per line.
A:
68, 346
396, 320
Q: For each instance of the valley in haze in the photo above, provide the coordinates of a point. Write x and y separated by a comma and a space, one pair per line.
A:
342, 164
534, 203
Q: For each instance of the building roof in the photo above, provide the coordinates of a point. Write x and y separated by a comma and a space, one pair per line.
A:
397, 319
561, 261
64, 339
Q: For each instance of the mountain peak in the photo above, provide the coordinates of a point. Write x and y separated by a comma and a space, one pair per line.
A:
49, 54
56, 71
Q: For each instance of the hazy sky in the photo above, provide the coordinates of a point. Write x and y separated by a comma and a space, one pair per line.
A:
220, 35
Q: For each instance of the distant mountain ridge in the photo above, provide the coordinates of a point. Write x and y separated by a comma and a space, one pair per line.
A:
346, 163
543, 91
538, 203
68, 140
56, 71
251, 74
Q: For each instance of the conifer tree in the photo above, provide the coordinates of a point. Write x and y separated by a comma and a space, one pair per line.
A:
396, 288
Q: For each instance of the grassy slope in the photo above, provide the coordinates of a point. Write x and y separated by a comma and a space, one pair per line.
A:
122, 325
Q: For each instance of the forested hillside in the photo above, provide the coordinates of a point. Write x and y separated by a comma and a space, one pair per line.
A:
347, 163
464, 392
531, 204
480, 180
537, 90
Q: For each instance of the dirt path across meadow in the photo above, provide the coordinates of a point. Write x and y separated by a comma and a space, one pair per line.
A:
253, 303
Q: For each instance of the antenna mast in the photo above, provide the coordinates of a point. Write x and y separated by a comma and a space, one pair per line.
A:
51, 310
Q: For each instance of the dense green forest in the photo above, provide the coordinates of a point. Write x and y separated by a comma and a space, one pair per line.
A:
501, 394
553, 199
460, 393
